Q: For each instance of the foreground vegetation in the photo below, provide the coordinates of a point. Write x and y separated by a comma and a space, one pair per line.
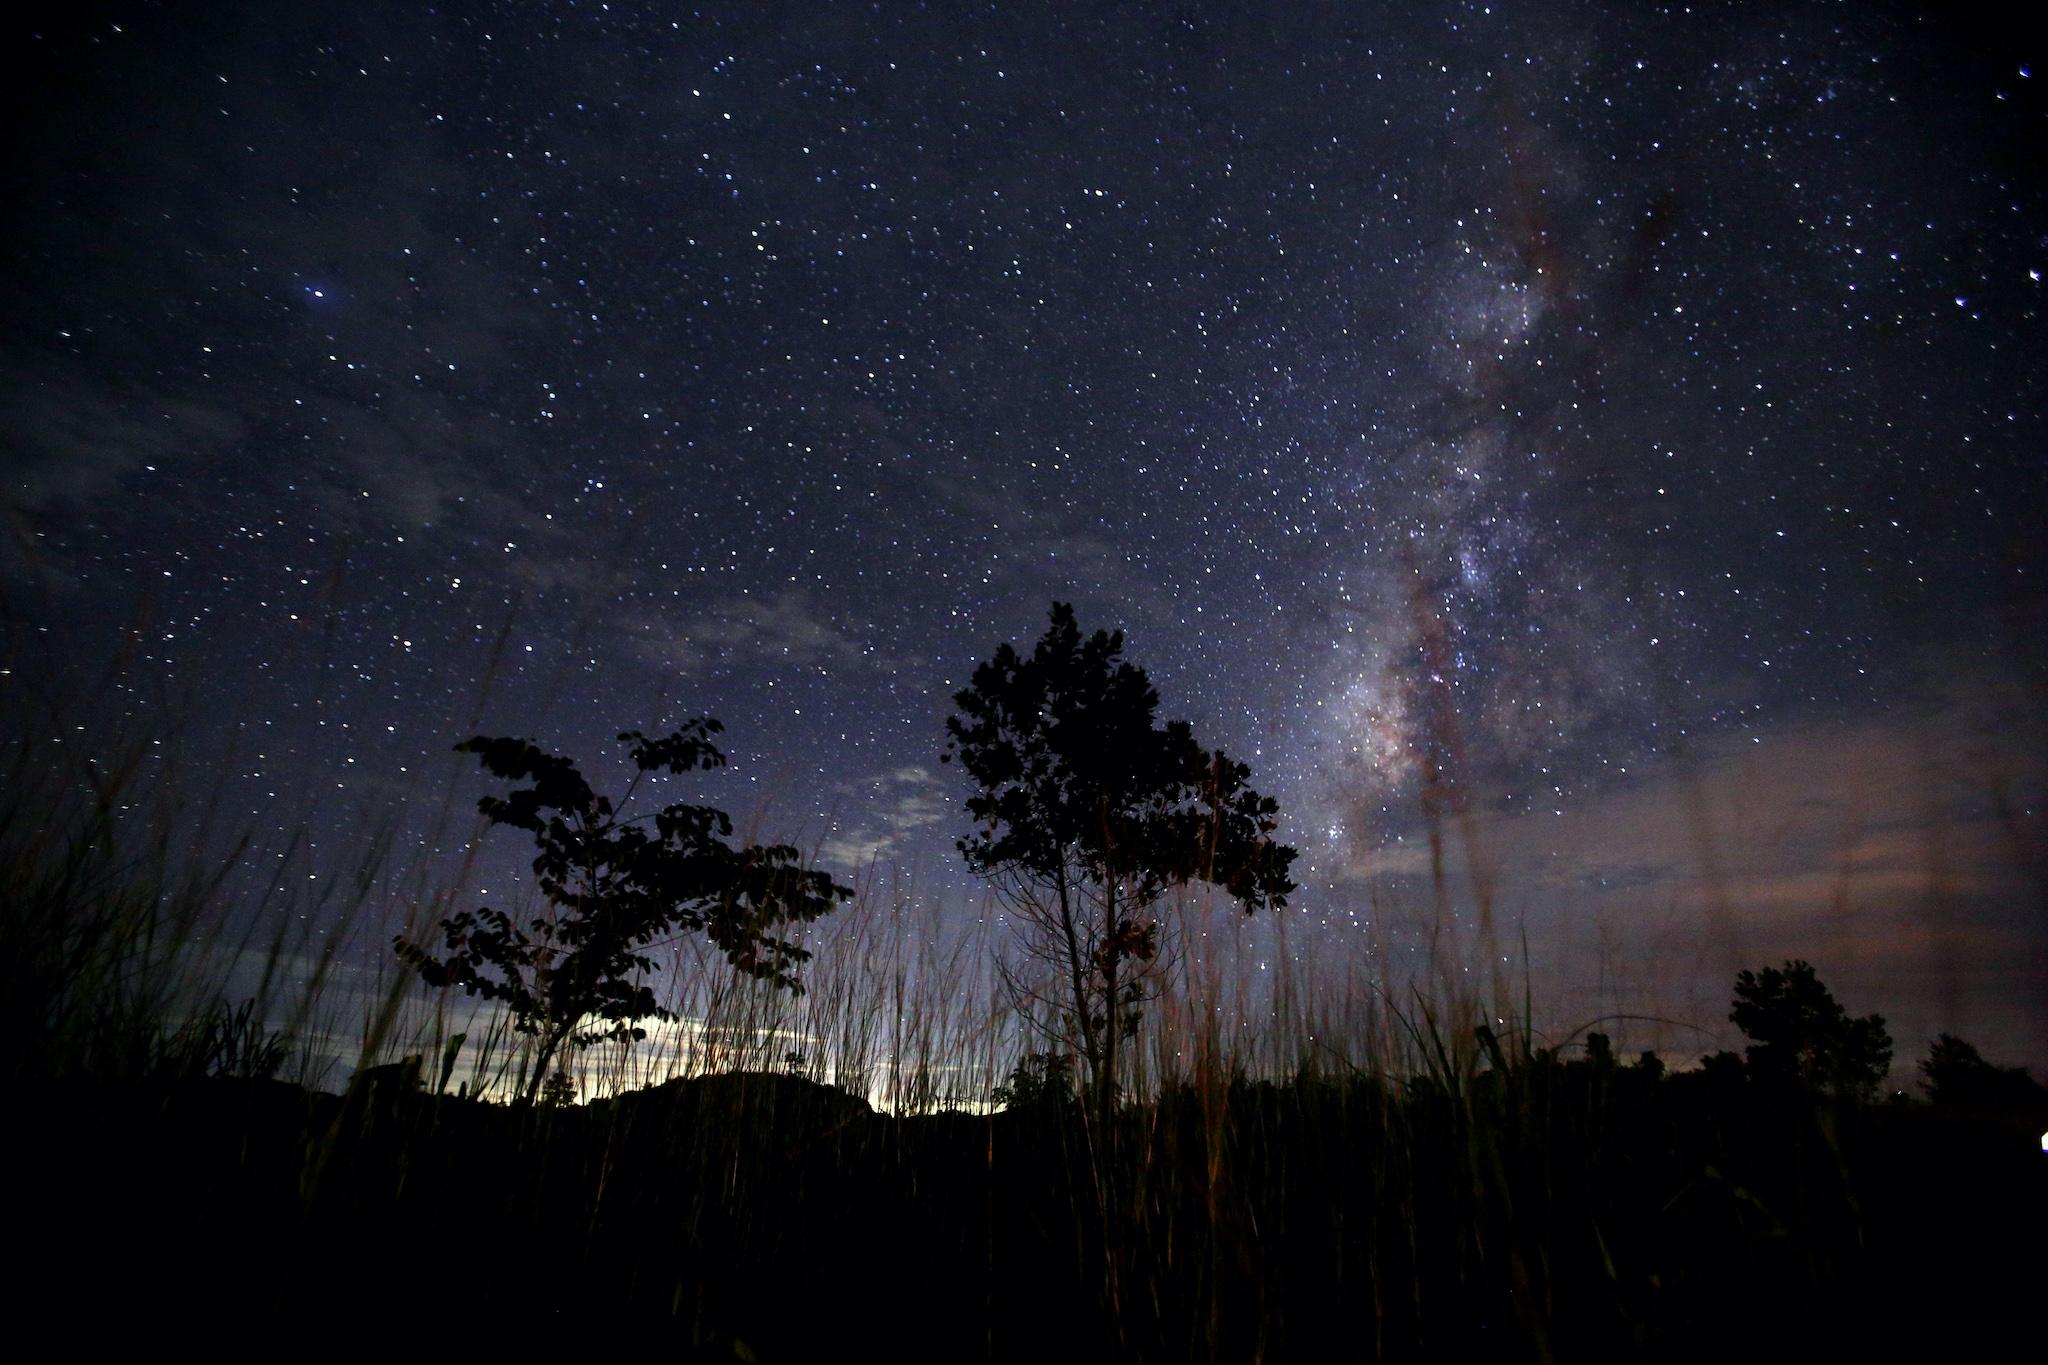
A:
1403, 1172
1528, 1209
1363, 1183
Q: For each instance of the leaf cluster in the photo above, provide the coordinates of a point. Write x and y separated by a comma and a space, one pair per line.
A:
1076, 779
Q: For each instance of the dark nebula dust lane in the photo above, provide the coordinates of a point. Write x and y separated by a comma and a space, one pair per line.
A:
1618, 428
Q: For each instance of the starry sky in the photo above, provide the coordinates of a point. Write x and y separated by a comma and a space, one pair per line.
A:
1610, 435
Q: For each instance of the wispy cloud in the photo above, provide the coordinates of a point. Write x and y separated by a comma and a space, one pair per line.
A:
747, 630
903, 801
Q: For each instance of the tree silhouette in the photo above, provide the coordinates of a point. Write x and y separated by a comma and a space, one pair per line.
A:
1800, 1036
1087, 811
616, 883
1957, 1076
1040, 1082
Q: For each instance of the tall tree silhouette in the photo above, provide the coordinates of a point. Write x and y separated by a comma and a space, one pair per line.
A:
1088, 811
616, 883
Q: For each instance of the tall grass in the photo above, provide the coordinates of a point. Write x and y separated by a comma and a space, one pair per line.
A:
1386, 1166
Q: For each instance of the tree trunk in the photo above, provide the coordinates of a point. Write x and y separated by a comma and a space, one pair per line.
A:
548, 1047
1077, 970
1105, 1100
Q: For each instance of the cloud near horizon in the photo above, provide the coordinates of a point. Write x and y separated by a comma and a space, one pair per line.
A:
1900, 855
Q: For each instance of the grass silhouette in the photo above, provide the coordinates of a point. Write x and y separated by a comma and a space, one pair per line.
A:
221, 1109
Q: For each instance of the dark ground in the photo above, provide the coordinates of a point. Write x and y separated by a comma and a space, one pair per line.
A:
1560, 1214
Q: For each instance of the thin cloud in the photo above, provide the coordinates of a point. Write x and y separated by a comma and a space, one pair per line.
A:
905, 799
746, 631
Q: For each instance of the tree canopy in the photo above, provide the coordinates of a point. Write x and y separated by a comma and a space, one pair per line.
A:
616, 883
1956, 1076
1800, 1035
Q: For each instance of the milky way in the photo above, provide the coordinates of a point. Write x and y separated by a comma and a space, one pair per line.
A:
1473, 408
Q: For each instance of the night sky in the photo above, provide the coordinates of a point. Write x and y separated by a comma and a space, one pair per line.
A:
1632, 414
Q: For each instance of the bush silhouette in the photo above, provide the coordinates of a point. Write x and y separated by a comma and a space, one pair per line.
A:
1040, 1081
1956, 1076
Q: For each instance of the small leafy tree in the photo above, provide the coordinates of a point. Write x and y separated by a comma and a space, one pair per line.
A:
558, 1091
1040, 1081
1088, 811
616, 883
1800, 1035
